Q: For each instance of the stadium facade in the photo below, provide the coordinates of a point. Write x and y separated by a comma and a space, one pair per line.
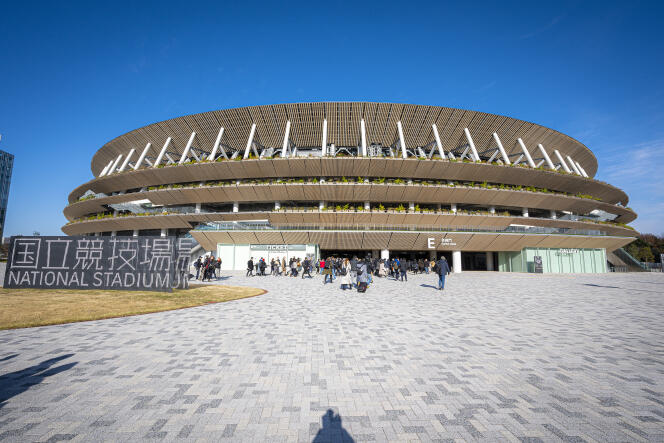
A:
489, 192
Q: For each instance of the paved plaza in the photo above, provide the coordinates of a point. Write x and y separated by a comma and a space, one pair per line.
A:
495, 357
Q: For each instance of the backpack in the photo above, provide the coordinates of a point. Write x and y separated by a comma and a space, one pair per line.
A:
436, 268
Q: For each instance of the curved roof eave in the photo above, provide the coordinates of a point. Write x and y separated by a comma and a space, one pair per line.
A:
343, 129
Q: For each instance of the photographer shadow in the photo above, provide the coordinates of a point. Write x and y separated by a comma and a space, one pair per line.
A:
332, 430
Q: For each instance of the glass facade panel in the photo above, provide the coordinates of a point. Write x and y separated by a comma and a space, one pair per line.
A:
554, 260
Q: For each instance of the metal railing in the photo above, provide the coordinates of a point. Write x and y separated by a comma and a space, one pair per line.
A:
629, 260
264, 225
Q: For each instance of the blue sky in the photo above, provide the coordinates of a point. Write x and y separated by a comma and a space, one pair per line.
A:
75, 75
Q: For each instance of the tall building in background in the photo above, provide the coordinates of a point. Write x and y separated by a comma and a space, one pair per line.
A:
6, 165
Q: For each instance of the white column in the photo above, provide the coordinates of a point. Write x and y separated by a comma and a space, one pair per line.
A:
531, 163
367, 206
321, 205
571, 163
236, 207
164, 232
197, 210
549, 163
489, 261
441, 152
411, 206
106, 169
453, 206
217, 143
402, 140
456, 261
162, 152
476, 156
323, 146
364, 138
492, 209
277, 206
583, 172
385, 254
250, 140
503, 153
142, 156
185, 153
553, 214
524, 212
562, 162
284, 149
126, 161
115, 165
135, 233
114, 233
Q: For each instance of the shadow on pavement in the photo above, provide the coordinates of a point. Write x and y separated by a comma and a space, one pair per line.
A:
332, 430
9, 357
15, 383
428, 286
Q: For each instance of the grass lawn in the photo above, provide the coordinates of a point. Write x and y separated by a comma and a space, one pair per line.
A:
22, 308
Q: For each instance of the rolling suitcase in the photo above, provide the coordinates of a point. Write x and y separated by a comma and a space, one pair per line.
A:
362, 287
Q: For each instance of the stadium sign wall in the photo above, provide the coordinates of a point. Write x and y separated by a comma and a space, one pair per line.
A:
119, 263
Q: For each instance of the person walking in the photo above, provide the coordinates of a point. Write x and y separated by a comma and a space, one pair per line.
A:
403, 267
250, 268
306, 268
362, 276
327, 270
442, 269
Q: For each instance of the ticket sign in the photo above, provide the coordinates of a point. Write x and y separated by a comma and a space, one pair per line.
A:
76, 262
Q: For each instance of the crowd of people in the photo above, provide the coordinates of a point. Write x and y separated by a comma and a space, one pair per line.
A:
279, 267
353, 273
207, 268
359, 273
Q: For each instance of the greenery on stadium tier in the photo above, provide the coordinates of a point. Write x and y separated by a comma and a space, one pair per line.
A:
357, 180
344, 155
343, 208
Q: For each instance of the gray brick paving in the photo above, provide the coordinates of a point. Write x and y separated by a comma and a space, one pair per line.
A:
495, 357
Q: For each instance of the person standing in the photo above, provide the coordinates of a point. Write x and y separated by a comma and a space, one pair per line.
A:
197, 265
346, 282
442, 269
250, 268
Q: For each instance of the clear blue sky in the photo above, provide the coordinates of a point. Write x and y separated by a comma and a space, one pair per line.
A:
75, 75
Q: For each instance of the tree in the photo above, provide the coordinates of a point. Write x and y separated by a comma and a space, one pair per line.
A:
646, 255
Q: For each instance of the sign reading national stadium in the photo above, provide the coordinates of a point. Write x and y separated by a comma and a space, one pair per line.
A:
354, 178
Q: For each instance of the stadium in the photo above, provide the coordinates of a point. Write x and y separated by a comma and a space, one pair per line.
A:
486, 191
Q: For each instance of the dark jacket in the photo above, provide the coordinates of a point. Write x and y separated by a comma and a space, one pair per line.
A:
443, 267
250, 265
403, 265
